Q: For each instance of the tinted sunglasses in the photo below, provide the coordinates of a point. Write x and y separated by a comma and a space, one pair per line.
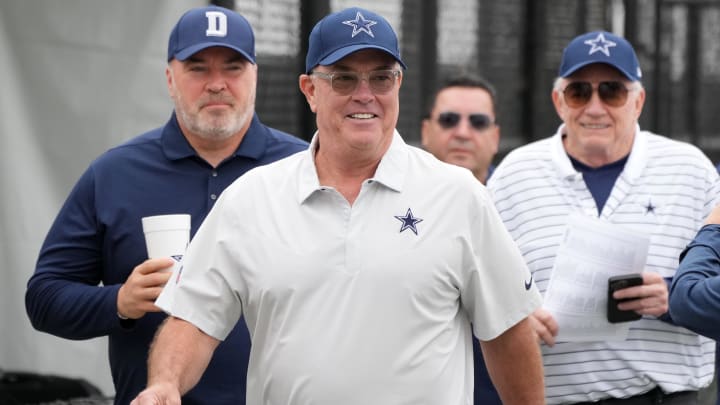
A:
344, 83
613, 93
451, 119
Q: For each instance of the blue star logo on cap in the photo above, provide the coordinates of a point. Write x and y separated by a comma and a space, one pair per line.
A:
600, 44
408, 221
360, 24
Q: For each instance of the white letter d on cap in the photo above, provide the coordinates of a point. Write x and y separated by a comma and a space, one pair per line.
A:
217, 24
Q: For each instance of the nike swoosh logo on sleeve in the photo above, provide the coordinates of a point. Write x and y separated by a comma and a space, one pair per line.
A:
528, 283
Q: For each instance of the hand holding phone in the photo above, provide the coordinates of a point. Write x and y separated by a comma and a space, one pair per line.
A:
615, 315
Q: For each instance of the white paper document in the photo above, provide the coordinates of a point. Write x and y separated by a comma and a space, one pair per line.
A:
592, 251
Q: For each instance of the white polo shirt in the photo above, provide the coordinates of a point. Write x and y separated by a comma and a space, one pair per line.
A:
665, 191
362, 304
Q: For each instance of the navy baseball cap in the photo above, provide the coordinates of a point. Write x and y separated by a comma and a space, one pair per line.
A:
600, 47
203, 27
339, 34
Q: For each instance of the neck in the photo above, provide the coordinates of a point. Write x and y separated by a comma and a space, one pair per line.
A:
344, 175
598, 155
214, 151
481, 175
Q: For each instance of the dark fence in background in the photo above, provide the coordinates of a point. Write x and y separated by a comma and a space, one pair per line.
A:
516, 44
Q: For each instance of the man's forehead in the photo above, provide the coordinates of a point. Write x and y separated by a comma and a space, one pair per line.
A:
367, 57
596, 70
464, 89
217, 51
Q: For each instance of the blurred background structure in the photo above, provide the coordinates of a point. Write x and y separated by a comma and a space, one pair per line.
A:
517, 44
80, 76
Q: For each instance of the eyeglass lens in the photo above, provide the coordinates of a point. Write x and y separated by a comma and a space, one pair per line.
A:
577, 94
380, 81
451, 119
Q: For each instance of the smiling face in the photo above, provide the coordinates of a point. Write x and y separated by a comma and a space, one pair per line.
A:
462, 144
596, 133
214, 93
358, 125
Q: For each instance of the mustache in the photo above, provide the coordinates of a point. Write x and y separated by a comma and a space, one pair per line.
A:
460, 144
215, 100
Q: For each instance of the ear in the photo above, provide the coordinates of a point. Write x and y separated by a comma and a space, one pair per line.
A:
495, 137
307, 87
639, 103
169, 77
558, 103
425, 132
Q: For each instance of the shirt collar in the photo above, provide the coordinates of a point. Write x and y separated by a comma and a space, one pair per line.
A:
176, 146
391, 171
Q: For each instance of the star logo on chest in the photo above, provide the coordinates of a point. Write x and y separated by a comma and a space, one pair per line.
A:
408, 221
650, 208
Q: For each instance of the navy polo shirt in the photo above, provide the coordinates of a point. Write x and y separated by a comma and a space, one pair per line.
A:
97, 238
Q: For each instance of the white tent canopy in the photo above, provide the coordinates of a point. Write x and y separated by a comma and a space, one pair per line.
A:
78, 76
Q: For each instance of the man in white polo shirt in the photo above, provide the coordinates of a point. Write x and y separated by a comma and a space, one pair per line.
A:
359, 264
600, 164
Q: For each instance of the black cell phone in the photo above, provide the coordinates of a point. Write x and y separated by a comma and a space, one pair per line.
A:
614, 315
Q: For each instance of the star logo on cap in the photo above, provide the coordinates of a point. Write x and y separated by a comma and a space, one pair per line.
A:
360, 24
408, 221
600, 44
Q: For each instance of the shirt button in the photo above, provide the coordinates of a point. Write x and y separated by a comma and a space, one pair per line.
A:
214, 174
213, 197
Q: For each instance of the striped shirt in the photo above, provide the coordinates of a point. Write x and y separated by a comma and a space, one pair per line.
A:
666, 190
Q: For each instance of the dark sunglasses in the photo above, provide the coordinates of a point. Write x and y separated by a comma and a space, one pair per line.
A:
614, 94
451, 119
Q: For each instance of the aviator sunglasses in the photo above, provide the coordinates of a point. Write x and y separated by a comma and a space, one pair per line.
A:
344, 83
612, 93
451, 119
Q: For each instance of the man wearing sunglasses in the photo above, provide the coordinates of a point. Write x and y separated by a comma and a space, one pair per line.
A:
600, 164
368, 259
460, 126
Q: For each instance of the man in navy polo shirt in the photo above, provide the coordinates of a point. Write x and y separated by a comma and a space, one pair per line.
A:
212, 138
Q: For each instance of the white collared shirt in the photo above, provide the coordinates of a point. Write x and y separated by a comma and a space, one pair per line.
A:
367, 303
665, 191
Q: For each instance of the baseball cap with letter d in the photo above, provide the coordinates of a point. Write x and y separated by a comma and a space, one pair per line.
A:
203, 27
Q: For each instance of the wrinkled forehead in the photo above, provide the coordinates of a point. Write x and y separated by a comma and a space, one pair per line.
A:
221, 52
597, 72
366, 59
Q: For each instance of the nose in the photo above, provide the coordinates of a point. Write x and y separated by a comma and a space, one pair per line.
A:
595, 104
462, 129
363, 91
216, 82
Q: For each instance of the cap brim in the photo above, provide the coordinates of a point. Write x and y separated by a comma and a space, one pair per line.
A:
579, 66
192, 50
343, 52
